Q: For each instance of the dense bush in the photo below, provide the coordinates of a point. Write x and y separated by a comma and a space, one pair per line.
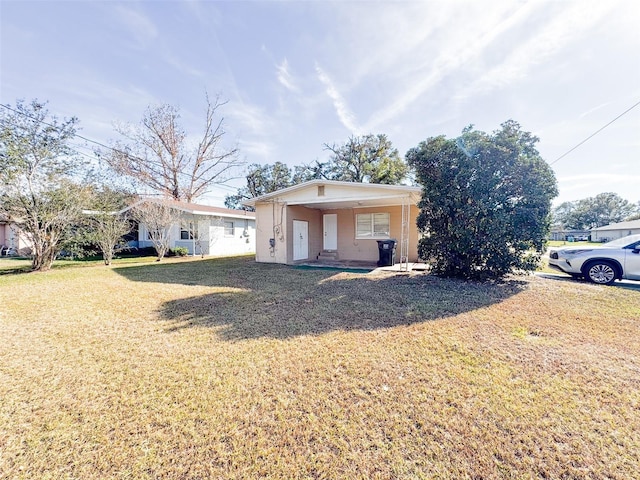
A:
178, 252
486, 202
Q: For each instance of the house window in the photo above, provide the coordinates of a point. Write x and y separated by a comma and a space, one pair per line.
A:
154, 234
228, 228
372, 225
132, 236
188, 231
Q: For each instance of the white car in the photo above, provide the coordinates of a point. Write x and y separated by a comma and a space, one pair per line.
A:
603, 264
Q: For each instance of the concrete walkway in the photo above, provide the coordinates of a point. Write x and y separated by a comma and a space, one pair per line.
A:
364, 266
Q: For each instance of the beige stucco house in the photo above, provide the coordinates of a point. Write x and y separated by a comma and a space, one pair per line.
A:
12, 240
340, 220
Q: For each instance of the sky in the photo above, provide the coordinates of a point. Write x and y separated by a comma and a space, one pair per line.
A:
297, 75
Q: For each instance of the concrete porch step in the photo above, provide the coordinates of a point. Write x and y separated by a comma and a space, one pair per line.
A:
328, 256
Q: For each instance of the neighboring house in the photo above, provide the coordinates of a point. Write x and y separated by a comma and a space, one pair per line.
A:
340, 220
12, 241
558, 233
615, 230
205, 230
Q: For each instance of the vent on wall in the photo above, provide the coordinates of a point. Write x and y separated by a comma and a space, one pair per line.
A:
321, 190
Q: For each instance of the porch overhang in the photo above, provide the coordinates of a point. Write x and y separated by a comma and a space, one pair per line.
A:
358, 202
340, 195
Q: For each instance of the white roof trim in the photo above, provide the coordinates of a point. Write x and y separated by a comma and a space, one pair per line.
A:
349, 199
631, 224
406, 189
184, 207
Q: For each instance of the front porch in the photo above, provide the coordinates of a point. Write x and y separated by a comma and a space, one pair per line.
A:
337, 224
364, 266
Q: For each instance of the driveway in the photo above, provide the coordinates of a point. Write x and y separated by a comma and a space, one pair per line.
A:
630, 284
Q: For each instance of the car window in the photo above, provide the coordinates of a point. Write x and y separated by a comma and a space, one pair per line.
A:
633, 246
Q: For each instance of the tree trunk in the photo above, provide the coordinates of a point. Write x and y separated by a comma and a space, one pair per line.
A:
162, 251
44, 260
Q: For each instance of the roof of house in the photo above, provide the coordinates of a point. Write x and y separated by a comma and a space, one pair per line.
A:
360, 194
632, 224
197, 209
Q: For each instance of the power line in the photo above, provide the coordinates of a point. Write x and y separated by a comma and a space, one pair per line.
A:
53, 126
95, 157
595, 133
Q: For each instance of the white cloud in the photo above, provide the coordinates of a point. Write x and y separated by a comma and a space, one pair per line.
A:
257, 149
387, 40
254, 129
284, 76
573, 187
141, 27
250, 117
473, 32
547, 38
183, 67
594, 109
346, 116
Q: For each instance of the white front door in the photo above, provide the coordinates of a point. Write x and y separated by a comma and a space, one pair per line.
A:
330, 227
300, 240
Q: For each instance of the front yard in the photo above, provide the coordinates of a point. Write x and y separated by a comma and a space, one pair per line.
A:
224, 368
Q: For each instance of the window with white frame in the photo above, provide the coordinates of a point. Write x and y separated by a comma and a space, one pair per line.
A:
188, 231
228, 228
155, 233
372, 225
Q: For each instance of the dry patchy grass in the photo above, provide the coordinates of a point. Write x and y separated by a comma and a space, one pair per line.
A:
231, 369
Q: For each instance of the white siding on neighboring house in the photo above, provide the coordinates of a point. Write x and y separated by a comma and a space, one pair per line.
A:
205, 230
615, 231
216, 236
233, 236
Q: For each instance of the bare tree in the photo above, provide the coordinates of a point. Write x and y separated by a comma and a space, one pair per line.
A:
108, 230
108, 220
158, 217
157, 155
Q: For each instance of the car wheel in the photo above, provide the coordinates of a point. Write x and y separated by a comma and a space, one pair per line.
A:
601, 272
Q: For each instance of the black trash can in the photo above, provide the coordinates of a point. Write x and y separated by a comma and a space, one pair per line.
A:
387, 252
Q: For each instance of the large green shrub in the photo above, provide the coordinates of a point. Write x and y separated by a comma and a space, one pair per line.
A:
486, 202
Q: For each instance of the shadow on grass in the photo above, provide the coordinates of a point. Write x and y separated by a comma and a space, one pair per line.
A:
23, 265
14, 265
278, 301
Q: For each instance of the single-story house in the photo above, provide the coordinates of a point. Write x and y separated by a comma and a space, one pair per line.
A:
558, 233
323, 219
204, 230
12, 240
615, 230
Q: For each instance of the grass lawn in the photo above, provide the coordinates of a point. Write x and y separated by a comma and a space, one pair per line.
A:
224, 368
563, 243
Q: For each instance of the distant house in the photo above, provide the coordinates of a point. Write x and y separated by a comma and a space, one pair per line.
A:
615, 230
12, 240
568, 235
323, 219
205, 230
